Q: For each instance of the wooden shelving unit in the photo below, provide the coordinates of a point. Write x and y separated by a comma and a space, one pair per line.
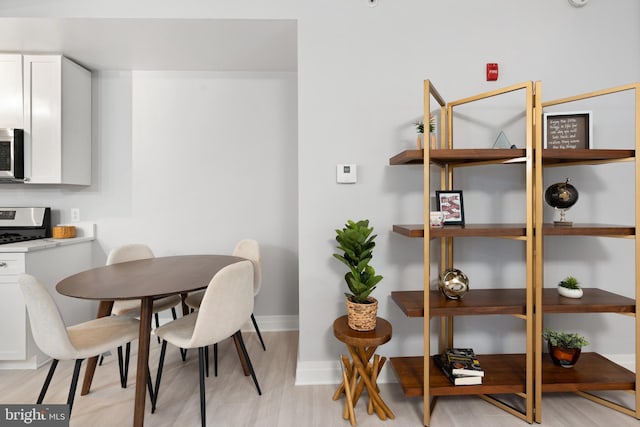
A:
531, 373
507, 373
593, 371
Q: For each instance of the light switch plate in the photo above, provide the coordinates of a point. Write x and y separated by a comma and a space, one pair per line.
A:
346, 174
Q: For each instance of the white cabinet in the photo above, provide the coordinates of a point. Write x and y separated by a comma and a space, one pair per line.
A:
11, 115
50, 265
57, 120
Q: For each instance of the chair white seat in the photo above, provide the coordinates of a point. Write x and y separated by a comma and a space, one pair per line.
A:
99, 335
132, 307
77, 342
194, 299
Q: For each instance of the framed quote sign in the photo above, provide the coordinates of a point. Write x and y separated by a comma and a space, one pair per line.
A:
568, 130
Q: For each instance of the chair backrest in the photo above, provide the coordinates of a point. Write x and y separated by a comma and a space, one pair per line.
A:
226, 305
250, 249
49, 331
130, 252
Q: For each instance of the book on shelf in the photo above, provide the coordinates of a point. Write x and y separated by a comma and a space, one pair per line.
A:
457, 379
463, 361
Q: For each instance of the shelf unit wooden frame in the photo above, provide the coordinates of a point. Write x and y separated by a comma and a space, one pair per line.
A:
603, 374
511, 373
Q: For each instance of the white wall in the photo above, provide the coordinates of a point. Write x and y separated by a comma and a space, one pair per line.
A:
361, 71
359, 91
192, 163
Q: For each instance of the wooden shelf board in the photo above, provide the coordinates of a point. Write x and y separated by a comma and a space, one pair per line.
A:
593, 301
554, 156
467, 230
459, 156
475, 302
408, 157
504, 373
581, 229
592, 372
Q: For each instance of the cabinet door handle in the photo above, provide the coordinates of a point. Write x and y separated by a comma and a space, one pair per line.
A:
3, 264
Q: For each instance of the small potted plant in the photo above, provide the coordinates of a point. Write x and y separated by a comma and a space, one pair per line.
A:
420, 130
564, 347
356, 243
570, 287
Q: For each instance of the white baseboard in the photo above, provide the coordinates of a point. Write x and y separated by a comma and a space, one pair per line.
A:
330, 372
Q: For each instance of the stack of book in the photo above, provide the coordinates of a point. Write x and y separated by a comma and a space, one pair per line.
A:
460, 365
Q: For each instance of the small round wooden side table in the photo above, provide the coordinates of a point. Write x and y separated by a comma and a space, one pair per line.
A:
360, 372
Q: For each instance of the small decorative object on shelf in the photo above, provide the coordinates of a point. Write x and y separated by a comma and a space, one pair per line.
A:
450, 203
357, 243
570, 287
561, 195
564, 347
436, 219
503, 142
454, 283
420, 129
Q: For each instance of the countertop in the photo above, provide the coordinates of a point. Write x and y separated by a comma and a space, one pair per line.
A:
85, 232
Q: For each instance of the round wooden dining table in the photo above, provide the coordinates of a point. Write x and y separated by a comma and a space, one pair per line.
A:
145, 280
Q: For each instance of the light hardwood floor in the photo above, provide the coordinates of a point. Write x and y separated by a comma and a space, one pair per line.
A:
232, 400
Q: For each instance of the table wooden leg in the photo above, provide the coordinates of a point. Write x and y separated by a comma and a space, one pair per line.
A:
243, 362
104, 309
146, 311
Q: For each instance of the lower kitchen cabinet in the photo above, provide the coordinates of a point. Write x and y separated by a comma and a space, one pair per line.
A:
49, 265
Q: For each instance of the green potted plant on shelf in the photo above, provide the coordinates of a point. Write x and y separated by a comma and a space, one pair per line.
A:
420, 130
356, 242
570, 287
564, 347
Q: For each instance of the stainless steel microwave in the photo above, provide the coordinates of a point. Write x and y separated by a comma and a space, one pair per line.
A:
11, 154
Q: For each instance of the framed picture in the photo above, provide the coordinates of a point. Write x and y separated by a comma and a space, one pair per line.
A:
571, 130
450, 202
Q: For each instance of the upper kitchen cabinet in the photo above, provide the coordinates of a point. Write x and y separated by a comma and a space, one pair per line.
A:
57, 120
11, 91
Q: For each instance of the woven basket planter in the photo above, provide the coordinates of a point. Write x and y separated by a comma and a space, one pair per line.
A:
362, 317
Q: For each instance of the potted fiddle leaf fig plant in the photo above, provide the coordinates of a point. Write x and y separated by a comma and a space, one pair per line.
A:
564, 347
356, 242
570, 287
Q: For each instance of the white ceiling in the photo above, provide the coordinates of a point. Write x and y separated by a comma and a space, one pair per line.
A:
158, 44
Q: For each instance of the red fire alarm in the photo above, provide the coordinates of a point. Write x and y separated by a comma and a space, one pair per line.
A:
492, 71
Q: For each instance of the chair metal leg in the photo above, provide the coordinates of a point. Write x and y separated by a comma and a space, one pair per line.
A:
173, 313
215, 359
74, 384
206, 358
157, 318
248, 360
255, 325
47, 381
123, 379
154, 398
127, 354
149, 385
203, 408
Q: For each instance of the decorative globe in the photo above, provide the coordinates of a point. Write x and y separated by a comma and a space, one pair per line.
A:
561, 195
453, 283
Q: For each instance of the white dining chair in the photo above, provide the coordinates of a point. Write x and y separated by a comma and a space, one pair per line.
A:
226, 305
134, 252
249, 249
77, 342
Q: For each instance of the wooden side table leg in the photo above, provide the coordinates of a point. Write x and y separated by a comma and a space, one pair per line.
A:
381, 408
348, 389
346, 363
374, 379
